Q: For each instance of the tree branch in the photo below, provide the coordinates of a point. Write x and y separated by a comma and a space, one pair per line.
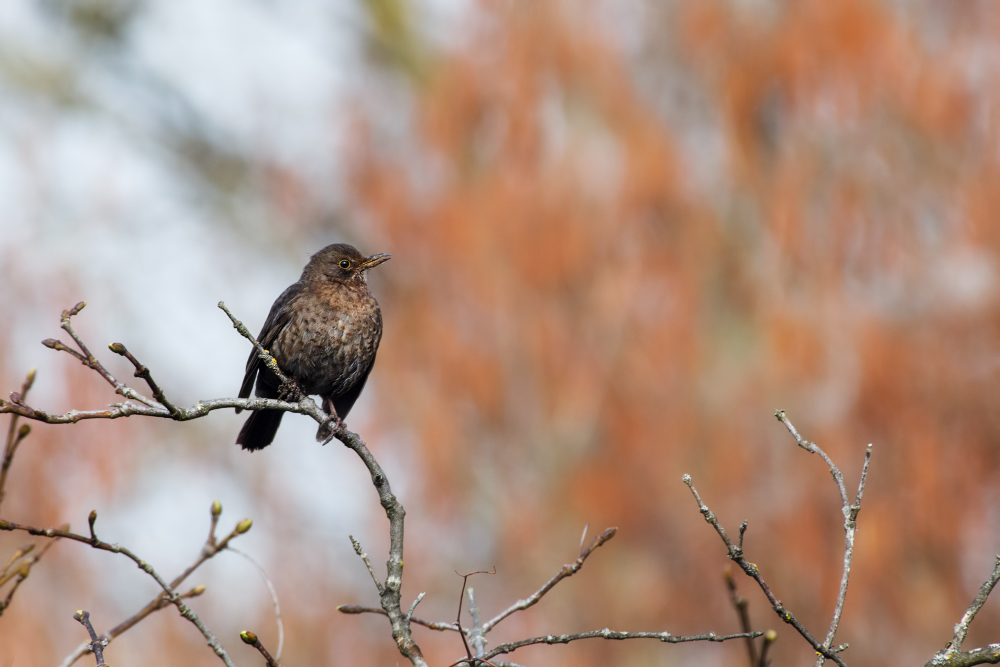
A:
612, 634
952, 654
251, 639
14, 434
735, 553
96, 644
389, 591
850, 520
170, 595
566, 571
19, 567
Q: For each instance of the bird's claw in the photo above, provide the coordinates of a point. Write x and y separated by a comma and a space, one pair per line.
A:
290, 391
328, 429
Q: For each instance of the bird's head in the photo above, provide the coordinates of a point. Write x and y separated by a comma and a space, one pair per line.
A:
341, 263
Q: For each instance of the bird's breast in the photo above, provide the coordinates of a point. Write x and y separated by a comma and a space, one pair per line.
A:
330, 342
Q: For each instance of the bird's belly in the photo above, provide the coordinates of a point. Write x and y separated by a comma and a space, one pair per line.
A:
328, 360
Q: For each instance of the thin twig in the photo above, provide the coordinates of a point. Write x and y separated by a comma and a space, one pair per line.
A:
14, 434
368, 564
566, 571
612, 634
18, 570
962, 628
440, 626
458, 617
88, 359
413, 607
251, 639
735, 553
476, 633
169, 593
155, 605
96, 644
850, 520
146, 407
769, 638
142, 371
274, 598
952, 654
741, 605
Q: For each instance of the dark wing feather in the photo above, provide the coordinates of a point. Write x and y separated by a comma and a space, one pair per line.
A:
343, 403
277, 319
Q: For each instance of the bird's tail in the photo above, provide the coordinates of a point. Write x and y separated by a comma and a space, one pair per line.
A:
259, 429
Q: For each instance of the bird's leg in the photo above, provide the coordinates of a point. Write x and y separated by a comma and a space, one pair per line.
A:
290, 391
332, 424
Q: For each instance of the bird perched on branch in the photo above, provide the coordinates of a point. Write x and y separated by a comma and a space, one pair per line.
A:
324, 332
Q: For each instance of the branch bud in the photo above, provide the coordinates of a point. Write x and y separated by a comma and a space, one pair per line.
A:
77, 308
30, 380
770, 636
248, 637
243, 526
92, 519
50, 343
23, 431
197, 590
117, 348
216, 508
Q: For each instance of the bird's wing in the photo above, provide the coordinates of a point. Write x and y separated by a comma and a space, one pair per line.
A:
277, 319
343, 403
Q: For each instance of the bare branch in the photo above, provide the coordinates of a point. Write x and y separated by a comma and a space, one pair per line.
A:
274, 598
251, 639
368, 564
741, 605
850, 518
142, 371
170, 595
19, 567
413, 607
769, 638
146, 407
476, 633
962, 628
14, 434
458, 618
96, 644
736, 555
612, 634
566, 571
952, 654
358, 609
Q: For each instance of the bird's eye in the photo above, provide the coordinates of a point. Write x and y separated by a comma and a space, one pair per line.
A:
345, 263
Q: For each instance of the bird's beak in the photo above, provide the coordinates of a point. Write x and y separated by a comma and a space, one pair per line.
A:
374, 260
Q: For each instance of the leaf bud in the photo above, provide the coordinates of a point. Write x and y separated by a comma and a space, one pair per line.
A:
248, 637
117, 348
216, 508
23, 431
243, 526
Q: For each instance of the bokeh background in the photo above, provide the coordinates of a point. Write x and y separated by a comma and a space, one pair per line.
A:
622, 234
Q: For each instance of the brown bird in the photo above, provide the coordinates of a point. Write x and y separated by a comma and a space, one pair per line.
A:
324, 332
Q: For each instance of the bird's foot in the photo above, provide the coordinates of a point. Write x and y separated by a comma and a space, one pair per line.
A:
290, 391
328, 429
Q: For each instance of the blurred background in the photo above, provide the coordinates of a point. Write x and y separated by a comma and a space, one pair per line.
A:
622, 234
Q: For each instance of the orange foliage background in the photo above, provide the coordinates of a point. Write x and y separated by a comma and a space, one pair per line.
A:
620, 240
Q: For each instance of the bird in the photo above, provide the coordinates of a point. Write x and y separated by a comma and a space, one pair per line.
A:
324, 332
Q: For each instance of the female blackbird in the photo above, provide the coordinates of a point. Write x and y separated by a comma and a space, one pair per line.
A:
324, 332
